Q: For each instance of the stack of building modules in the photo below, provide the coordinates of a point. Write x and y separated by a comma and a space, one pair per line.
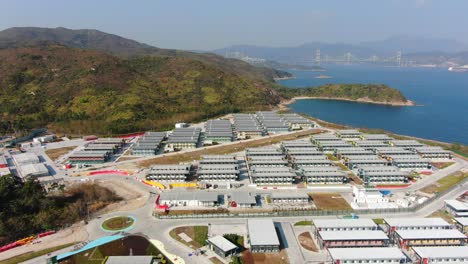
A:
316, 139
272, 122
89, 157
311, 161
218, 159
218, 131
429, 237
382, 174
414, 223
272, 175
379, 137
411, 162
348, 133
371, 144
296, 122
342, 153
301, 143
323, 175
354, 162
184, 138
149, 144
290, 198
331, 145
218, 172
246, 126
392, 152
118, 142
406, 144
433, 152
169, 173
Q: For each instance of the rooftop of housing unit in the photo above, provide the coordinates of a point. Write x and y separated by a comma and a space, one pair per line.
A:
193, 196
338, 223
353, 235
438, 252
372, 253
222, 243
417, 221
430, 234
262, 232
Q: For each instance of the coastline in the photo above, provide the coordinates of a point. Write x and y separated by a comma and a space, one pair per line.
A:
284, 104
283, 78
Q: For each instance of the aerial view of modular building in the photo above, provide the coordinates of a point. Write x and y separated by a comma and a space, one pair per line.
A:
246, 126
169, 173
184, 138
391, 255
262, 236
218, 131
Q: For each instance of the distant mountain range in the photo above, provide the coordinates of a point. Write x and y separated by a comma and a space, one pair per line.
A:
415, 49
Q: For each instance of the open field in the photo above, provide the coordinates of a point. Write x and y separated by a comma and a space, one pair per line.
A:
306, 241
31, 255
330, 201
265, 258
445, 183
225, 149
197, 234
56, 153
442, 165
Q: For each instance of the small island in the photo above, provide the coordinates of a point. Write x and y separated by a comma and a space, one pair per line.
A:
361, 93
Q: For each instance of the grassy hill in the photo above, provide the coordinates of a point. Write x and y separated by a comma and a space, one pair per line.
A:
377, 93
85, 91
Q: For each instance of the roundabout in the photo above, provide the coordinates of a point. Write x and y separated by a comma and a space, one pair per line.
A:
118, 223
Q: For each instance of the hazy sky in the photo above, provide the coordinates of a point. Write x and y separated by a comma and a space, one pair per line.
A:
209, 24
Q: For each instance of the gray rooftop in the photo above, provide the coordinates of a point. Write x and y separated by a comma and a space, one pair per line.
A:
262, 232
457, 205
353, 235
222, 243
289, 194
373, 253
336, 223
243, 198
462, 220
183, 196
417, 221
442, 252
430, 234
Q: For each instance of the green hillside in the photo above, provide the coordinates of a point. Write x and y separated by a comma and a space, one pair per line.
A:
84, 91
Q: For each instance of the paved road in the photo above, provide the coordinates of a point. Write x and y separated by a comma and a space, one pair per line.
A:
290, 242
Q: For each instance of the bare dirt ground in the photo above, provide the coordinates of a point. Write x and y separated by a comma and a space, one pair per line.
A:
265, 258
306, 241
133, 198
330, 201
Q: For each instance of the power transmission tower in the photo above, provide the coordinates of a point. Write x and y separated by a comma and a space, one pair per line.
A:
348, 57
398, 58
317, 57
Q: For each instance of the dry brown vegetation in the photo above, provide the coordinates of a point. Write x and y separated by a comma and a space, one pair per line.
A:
56, 153
445, 183
330, 201
226, 149
265, 258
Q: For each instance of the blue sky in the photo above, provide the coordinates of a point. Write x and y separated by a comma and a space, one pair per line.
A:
209, 24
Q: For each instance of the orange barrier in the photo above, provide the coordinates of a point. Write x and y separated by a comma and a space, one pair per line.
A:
183, 185
119, 172
154, 184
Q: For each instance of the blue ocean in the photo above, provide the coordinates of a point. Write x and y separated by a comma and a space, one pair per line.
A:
443, 95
